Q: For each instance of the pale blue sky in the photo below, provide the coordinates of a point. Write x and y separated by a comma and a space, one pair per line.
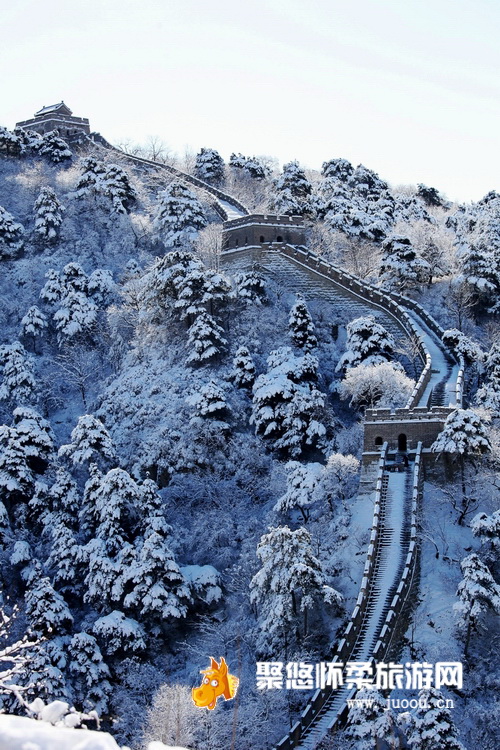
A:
409, 88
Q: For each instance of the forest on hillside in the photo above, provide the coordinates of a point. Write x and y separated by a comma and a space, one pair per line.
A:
180, 446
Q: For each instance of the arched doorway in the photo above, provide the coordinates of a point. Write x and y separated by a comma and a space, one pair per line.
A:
279, 238
262, 238
402, 443
378, 442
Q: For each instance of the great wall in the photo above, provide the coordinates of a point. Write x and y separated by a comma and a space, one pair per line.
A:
276, 245
391, 567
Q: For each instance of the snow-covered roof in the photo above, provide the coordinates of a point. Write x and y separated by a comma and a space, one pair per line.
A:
54, 108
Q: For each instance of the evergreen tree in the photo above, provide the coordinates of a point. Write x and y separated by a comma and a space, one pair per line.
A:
76, 318
119, 634
429, 195
114, 183
91, 674
250, 167
487, 528
35, 436
243, 372
286, 405
337, 169
209, 167
88, 184
179, 216
368, 342
205, 339
11, 235
46, 610
52, 146
479, 272
463, 434
433, 726
209, 400
290, 580
370, 721
301, 326
301, 482
117, 500
16, 477
65, 557
463, 346
10, 145
159, 591
17, 370
250, 286
477, 592
48, 215
292, 191
33, 324
400, 267
90, 441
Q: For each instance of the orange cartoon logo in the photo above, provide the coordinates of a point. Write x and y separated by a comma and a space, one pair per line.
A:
217, 682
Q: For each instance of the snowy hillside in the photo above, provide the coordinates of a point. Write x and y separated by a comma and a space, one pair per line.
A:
180, 449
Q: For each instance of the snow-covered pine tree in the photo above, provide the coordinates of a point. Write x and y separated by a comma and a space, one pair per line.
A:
10, 145
114, 184
119, 634
17, 369
88, 184
368, 342
205, 340
292, 192
11, 235
209, 167
463, 346
90, 441
243, 372
301, 481
76, 319
370, 720
48, 215
337, 169
91, 674
290, 580
487, 528
463, 434
52, 146
33, 324
65, 557
301, 326
433, 727
159, 593
178, 217
64, 498
488, 396
367, 183
46, 611
209, 400
117, 502
286, 405
477, 592
35, 436
429, 195
479, 273
16, 477
400, 267
250, 286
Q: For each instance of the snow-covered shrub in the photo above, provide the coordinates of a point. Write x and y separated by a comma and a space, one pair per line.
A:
209, 167
48, 215
383, 385
178, 216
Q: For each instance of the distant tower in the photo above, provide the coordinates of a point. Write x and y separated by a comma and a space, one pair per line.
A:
56, 117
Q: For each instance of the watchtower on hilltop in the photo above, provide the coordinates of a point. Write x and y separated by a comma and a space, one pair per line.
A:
56, 117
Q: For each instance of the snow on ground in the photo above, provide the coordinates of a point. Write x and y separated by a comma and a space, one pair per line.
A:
21, 733
232, 211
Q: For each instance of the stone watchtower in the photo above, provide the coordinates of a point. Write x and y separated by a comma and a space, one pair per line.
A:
259, 230
56, 117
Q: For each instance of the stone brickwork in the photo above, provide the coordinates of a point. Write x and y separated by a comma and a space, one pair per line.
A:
402, 429
56, 117
263, 229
